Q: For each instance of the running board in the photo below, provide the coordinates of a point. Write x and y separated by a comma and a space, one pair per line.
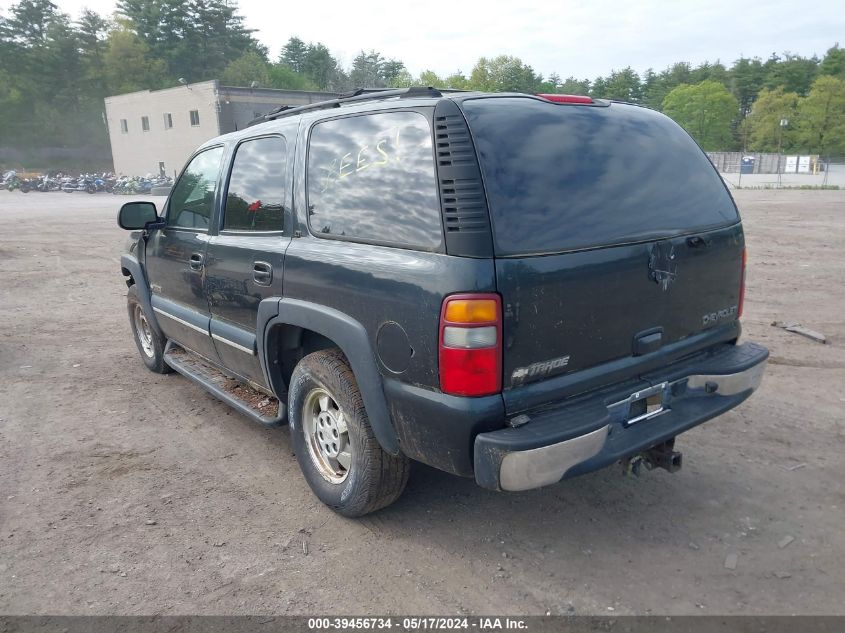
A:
261, 408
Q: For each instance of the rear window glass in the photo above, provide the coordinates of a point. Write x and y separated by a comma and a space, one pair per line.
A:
371, 179
563, 178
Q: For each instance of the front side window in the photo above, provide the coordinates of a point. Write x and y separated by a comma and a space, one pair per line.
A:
145, 123
255, 197
195, 117
168, 120
192, 199
371, 178
124, 126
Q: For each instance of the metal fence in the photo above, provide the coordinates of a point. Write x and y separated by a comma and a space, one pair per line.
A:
760, 163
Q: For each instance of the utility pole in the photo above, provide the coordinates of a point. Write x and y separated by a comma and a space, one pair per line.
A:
783, 124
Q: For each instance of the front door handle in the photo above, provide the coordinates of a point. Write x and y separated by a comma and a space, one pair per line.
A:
196, 261
262, 273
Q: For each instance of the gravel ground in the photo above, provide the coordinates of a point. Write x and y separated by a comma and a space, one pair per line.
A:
122, 491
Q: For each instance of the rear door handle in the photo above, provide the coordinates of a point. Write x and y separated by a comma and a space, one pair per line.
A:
262, 273
196, 261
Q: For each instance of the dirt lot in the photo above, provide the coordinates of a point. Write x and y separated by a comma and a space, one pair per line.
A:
122, 491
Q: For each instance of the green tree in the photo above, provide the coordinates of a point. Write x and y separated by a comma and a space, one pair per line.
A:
92, 32
620, 85
763, 125
366, 70
390, 70
294, 54
30, 21
128, 65
403, 80
504, 74
196, 39
573, 86
282, 77
250, 68
821, 127
793, 72
706, 70
746, 79
430, 78
833, 62
457, 81
322, 68
706, 110
657, 86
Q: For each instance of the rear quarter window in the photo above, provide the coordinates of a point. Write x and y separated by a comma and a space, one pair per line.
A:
371, 178
562, 177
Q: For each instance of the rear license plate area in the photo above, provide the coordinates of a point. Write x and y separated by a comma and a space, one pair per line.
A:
646, 404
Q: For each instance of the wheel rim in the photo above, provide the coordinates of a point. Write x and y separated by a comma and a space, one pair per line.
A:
144, 332
326, 435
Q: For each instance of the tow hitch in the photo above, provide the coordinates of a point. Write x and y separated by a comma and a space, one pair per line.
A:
661, 456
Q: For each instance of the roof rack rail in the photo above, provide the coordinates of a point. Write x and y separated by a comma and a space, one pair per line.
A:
359, 94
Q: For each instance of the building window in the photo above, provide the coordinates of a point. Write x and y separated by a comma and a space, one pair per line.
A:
124, 126
195, 117
168, 120
145, 123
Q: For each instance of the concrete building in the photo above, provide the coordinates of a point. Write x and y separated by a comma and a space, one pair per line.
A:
155, 131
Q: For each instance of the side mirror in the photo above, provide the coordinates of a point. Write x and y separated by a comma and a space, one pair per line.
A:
136, 215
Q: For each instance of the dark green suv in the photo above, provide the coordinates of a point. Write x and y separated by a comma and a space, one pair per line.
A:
510, 287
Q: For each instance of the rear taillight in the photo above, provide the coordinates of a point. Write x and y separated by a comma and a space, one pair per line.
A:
742, 283
471, 345
566, 98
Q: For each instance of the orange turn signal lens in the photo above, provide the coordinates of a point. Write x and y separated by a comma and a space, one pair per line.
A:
471, 311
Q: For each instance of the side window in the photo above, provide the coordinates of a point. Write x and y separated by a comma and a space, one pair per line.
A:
256, 193
192, 198
371, 178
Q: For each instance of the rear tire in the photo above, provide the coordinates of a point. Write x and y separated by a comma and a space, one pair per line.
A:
337, 451
149, 343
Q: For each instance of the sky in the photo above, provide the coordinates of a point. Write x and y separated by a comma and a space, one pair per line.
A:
581, 38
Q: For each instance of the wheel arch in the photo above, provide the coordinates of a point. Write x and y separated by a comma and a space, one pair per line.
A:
131, 268
305, 327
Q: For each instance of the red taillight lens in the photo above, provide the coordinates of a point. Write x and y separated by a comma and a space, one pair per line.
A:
742, 283
471, 345
566, 98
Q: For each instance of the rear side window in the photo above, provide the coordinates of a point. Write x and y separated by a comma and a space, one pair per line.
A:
371, 179
255, 197
192, 199
562, 178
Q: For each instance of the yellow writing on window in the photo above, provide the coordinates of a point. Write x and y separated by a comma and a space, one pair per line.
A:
384, 151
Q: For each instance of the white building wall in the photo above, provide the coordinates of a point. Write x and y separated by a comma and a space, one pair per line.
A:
136, 152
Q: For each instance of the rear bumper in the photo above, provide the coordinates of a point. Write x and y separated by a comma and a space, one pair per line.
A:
592, 432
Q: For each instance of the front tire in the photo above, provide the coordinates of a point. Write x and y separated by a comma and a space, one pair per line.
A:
337, 451
149, 343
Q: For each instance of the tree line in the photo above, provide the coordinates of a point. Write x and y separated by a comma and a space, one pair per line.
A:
55, 71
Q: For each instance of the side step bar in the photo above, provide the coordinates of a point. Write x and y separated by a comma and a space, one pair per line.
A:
261, 408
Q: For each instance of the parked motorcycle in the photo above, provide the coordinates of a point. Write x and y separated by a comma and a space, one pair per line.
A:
10, 181
84, 183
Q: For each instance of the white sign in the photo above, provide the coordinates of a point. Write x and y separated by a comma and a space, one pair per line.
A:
791, 165
803, 164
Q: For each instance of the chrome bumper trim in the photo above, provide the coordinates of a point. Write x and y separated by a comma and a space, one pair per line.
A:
730, 384
524, 470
